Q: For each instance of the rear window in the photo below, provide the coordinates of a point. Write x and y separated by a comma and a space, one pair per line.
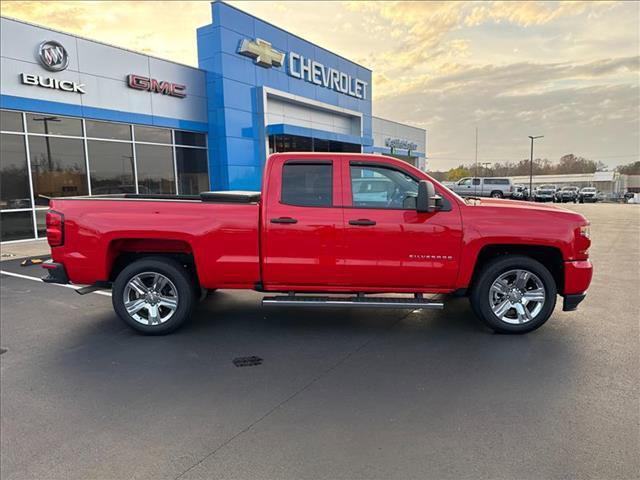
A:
496, 181
307, 184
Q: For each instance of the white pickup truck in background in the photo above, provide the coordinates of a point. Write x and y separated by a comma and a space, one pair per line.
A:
496, 187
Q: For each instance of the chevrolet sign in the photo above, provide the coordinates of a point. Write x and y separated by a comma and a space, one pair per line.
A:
303, 68
262, 52
317, 73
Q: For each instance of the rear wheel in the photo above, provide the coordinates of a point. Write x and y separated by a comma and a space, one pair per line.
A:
496, 194
154, 295
514, 294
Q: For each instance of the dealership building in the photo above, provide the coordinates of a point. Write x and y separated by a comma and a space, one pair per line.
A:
79, 117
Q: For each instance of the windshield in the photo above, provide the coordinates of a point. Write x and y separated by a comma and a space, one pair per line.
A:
588, 189
570, 189
547, 187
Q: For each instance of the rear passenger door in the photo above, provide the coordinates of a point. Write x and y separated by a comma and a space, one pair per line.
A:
303, 227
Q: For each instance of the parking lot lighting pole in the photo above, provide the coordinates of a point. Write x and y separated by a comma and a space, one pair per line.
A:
531, 166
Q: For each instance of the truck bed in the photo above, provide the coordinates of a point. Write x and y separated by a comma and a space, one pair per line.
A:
219, 230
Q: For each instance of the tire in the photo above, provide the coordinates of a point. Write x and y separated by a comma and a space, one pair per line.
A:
497, 194
172, 302
502, 268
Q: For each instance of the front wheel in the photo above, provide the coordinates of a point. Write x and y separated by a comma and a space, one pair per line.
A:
154, 295
514, 294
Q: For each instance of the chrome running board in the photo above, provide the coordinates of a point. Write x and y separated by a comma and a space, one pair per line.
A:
351, 302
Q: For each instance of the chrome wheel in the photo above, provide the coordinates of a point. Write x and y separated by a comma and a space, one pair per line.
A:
517, 296
150, 298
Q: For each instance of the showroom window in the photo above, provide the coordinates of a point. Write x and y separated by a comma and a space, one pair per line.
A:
46, 155
191, 165
58, 167
295, 143
111, 167
155, 169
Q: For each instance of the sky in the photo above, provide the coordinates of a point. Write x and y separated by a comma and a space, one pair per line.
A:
567, 70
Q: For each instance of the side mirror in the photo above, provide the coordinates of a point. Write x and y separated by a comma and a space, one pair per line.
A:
427, 200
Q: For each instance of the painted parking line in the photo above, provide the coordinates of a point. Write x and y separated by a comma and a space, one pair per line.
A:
36, 279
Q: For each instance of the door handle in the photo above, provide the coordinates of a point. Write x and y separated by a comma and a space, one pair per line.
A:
284, 220
363, 222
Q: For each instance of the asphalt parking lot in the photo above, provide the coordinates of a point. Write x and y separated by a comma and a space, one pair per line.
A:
339, 395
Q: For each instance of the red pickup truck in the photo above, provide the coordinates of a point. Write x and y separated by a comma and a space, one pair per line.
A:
328, 230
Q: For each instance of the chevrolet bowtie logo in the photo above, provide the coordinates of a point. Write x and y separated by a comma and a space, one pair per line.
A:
262, 51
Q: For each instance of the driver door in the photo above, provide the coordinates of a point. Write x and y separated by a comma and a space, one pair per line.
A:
388, 244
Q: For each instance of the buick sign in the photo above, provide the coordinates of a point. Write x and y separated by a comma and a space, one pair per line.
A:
53, 56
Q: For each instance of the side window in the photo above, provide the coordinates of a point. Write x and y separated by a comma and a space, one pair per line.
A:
476, 181
307, 184
465, 181
496, 181
381, 187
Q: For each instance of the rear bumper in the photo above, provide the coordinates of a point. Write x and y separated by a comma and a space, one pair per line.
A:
56, 273
571, 302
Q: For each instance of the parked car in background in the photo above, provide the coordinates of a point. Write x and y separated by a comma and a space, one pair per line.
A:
545, 193
567, 194
520, 192
496, 187
588, 195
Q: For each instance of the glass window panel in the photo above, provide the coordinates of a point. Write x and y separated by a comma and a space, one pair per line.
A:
41, 222
14, 178
16, 226
109, 130
320, 145
110, 167
377, 187
344, 147
190, 138
10, 121
58, 167
152, 134
308, 185
155, 169
53, 125
193, 176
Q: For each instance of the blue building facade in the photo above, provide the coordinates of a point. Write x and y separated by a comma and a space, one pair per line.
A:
243, 94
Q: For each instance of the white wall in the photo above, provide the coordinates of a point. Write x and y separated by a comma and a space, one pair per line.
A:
383, 129
102, 69
281, 110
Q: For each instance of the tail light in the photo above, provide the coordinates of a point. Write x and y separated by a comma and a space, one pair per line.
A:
55, 228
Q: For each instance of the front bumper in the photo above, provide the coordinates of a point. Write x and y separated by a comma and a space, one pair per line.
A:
577, 278
56, 273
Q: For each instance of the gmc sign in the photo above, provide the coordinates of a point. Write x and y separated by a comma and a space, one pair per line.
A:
152, 85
